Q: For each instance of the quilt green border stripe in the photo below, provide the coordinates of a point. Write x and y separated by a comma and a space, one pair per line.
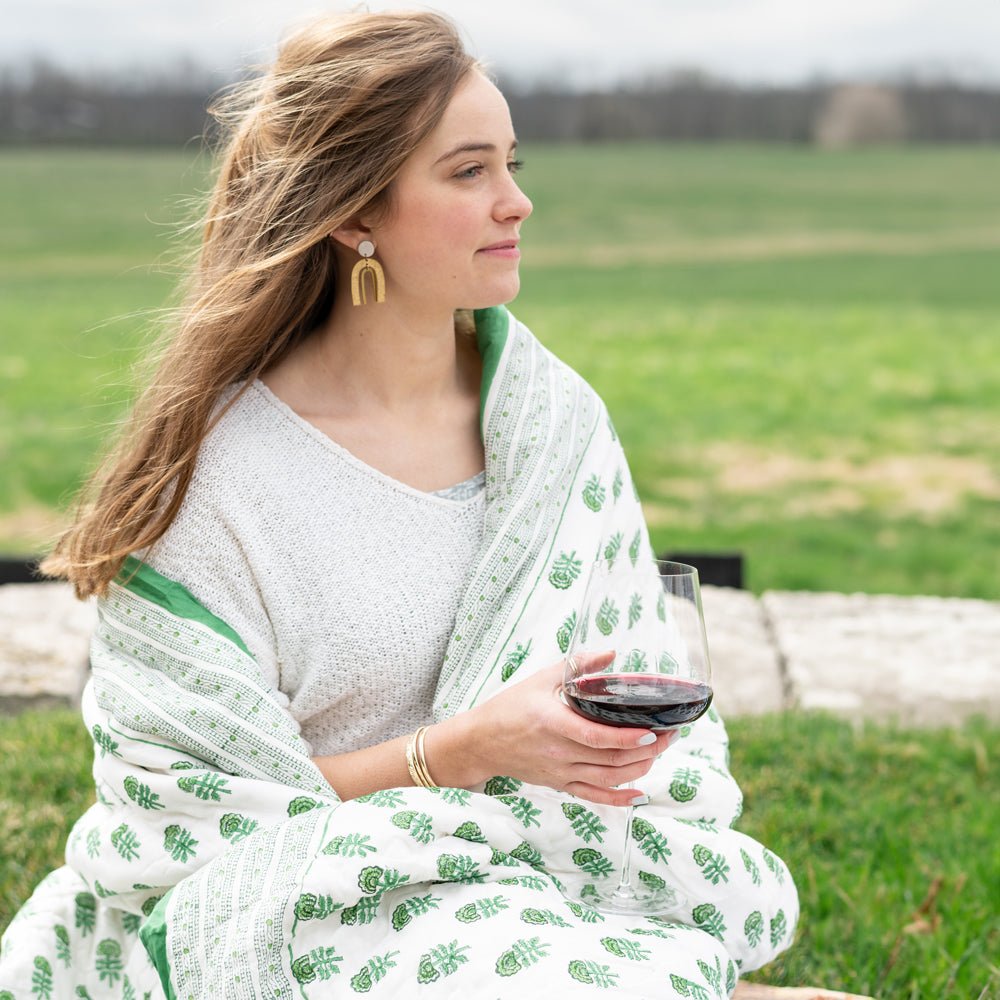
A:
153, 934
492, 325
174, 598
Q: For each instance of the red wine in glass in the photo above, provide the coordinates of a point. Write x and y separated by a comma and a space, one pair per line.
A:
654, 674
650, 701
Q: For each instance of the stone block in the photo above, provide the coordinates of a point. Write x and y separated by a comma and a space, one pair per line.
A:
922, 661
754, 991
44, 642
745, 668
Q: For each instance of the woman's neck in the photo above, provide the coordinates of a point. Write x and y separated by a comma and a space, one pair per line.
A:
401, 396
376, 357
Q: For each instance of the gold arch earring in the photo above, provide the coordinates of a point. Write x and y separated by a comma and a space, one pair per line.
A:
367, 269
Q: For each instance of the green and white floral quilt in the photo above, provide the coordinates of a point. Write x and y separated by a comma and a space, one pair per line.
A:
216, 850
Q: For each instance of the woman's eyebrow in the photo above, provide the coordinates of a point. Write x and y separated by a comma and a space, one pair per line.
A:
472, 147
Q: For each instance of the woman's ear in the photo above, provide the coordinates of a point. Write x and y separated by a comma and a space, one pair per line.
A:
351, 234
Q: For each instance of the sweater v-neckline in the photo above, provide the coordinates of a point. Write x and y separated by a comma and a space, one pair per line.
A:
348, 456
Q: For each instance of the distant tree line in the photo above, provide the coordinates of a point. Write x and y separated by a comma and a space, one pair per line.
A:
695, 108
49, 105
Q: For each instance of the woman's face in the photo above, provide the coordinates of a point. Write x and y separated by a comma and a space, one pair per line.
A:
450, 241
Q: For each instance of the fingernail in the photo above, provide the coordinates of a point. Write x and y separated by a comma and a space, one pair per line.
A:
645, 741
640, 800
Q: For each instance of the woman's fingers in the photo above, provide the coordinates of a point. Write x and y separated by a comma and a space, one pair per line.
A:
587, 663
576, 753
620, 739
609, 777
599, 737
603, 796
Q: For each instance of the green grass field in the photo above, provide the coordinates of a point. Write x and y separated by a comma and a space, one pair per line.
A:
890, 835
801, 349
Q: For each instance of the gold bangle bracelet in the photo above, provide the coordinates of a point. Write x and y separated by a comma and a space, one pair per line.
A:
411, 763
416, 763
422, 767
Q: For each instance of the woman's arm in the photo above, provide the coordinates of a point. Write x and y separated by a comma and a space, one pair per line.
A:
359, 772
524, 732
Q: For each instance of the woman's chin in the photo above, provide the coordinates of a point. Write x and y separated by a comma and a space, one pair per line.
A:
496, 296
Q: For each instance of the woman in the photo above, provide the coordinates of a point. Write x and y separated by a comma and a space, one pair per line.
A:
339, 554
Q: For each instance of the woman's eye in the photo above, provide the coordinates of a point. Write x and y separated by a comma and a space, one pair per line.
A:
468, 173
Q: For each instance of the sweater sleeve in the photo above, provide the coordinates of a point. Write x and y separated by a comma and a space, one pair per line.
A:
203, 551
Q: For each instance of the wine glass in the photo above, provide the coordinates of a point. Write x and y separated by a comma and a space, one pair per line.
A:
650, 616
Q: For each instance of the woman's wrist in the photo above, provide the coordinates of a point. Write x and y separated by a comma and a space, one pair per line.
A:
452, 752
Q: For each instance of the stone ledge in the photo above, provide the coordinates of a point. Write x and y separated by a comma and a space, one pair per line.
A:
44, 643
920, 660
746, 672
755, 991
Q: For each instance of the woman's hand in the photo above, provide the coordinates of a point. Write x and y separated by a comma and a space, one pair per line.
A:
528, 732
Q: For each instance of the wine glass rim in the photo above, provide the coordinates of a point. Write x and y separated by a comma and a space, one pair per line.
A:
665, 567
670, 567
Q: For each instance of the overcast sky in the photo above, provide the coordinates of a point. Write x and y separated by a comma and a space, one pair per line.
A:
580, 40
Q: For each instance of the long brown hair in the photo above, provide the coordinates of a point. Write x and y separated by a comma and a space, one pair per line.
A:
312, 143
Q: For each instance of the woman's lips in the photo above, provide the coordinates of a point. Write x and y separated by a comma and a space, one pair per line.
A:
506, 250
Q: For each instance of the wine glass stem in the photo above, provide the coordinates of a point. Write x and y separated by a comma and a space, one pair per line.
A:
625, 889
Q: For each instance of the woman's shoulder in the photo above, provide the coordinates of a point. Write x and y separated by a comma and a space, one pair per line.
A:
253, 438
247, 458
242, 420
241, 476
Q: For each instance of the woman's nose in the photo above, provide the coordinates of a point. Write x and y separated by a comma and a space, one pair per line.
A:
514, 204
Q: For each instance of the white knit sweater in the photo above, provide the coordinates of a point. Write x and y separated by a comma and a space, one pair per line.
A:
343, 582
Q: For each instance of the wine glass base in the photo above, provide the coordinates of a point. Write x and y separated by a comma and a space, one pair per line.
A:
638, 901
